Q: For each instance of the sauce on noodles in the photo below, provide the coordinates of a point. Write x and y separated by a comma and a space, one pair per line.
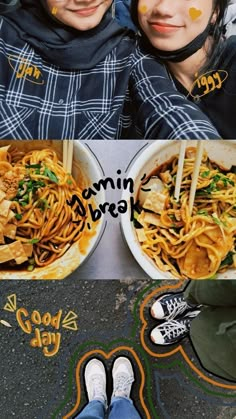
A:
197, 246
38, 187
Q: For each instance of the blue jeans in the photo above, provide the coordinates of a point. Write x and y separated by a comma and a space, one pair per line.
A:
120, 408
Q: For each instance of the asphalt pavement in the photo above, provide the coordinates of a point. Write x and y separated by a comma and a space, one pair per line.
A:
42, 380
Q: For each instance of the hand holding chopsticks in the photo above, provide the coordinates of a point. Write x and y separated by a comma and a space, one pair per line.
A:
68, 154
196, 170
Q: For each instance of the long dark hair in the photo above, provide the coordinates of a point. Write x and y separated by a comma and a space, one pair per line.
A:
216, 31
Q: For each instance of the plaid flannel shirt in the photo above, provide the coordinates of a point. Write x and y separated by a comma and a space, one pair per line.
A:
127, 89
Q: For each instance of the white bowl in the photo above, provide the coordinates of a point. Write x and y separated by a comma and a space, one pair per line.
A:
222, 151
85, 168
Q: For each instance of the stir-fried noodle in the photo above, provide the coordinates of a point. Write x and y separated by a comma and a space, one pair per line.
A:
38, 187
196, 246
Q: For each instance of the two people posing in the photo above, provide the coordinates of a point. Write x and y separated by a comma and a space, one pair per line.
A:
70, 71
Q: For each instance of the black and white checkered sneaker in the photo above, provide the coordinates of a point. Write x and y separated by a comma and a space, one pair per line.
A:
171, 306
172, 331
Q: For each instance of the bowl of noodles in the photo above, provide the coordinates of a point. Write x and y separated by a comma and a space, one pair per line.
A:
46, 228
164, 238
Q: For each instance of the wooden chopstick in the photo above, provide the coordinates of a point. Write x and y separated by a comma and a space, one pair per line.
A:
179, 174
64, 153
68, 146
196, 170
70, 155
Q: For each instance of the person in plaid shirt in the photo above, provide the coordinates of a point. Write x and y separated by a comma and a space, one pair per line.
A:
68, 70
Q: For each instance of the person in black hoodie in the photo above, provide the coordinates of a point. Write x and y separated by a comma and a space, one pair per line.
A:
68, 70
200, 61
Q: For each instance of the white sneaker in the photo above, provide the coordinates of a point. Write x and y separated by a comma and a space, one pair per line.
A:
123, 377
95, 381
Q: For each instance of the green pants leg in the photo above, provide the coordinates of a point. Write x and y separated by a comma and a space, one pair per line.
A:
213, 334
211, 293
213, 331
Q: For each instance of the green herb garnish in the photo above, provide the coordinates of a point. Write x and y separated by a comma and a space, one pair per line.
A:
23, 203
202, 212
31, 186
43, 204
212, 188
224, 179
228, 260
227, 181
18, 217
213, 185
51, 175
33, 166
205, 174
216, 220
201, 192
33, 241
216, 178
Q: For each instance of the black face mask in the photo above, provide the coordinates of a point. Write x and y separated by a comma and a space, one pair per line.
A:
182, 54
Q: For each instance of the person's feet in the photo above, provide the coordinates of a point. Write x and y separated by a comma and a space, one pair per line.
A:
172, 331
170, 306
123, 377
95, 381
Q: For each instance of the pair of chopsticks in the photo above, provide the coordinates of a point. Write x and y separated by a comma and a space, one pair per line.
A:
196, 170
68, 146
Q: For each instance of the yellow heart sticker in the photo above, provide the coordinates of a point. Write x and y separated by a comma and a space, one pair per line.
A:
194, 13
54, 10
143, 9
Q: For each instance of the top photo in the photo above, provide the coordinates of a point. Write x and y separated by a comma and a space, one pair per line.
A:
117, 69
